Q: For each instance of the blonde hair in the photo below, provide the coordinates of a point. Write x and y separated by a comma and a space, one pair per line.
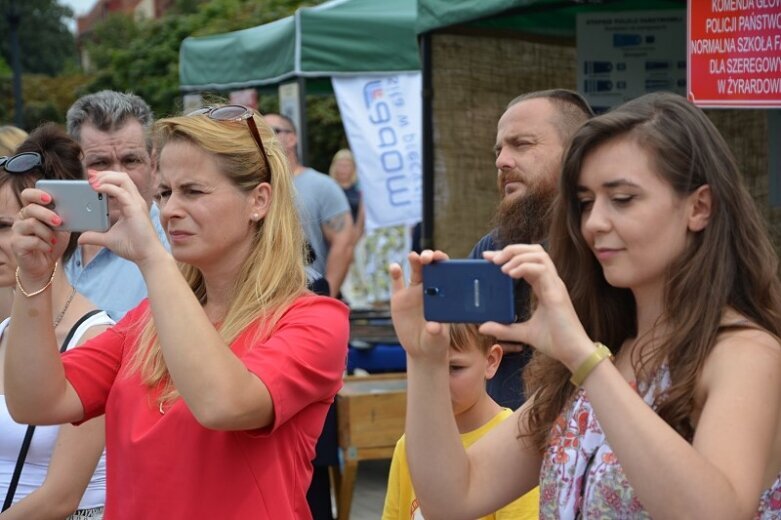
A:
10, 138
464, 336
273, 274
344, 153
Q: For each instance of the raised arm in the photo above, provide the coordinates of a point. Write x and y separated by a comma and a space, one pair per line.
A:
222, 391
218, 388
449, 481
735, 448
359, 226
35, 385
338, 232
735, 453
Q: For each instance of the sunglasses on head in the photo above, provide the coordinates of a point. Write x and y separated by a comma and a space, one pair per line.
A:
236, 113
21, 162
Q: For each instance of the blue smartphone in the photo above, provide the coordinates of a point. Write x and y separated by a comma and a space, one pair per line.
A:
467, 291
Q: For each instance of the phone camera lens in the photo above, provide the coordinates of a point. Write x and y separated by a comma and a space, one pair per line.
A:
100, 196
432, 291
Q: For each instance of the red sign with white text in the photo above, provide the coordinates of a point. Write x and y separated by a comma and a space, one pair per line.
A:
734, 53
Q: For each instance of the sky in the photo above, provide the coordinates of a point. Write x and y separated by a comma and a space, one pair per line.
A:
80, 7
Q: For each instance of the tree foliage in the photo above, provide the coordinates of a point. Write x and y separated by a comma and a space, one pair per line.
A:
46, 98
326, 133
143, 57
45, 43
140, 56
46, 49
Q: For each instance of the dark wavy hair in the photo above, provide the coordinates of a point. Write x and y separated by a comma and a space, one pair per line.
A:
61, 158
731, 263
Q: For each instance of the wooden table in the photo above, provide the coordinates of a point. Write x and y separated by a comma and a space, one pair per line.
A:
370, 412
371, 327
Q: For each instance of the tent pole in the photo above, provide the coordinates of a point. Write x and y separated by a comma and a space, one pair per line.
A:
427, 144
303, 132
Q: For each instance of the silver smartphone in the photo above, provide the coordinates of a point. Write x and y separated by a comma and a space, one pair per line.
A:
79, 206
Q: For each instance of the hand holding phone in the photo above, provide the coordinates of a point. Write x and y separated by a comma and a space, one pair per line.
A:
467, 291
79, 206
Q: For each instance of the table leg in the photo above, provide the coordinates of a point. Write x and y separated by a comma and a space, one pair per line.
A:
346, 488
336, 483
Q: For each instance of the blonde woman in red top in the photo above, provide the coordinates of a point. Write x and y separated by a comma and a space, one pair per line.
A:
215, 389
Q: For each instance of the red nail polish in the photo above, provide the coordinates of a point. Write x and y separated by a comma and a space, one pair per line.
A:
46, 198
56, 221
54, 240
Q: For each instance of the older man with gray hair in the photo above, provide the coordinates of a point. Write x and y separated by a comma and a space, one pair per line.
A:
114, 130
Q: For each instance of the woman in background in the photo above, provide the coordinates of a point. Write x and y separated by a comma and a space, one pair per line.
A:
10, 138
344, 172
59, 473
367, 284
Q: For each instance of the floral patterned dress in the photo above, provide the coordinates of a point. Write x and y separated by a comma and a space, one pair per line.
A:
582, 478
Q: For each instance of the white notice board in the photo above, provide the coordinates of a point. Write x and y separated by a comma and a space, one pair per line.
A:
623, 55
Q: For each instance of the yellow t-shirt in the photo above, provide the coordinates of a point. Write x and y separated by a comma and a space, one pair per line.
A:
400, 500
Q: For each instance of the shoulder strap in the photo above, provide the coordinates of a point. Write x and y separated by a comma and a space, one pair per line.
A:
75, 327
28, 435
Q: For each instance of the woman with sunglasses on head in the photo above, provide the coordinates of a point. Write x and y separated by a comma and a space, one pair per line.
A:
58, 473
216, 387
670, 270
10, 138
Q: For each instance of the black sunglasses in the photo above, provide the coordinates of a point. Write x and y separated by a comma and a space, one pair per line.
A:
21, 162
236, 113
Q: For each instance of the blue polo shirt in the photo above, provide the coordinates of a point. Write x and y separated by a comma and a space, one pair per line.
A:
109, 281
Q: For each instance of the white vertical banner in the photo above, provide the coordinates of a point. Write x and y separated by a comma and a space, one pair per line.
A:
382, 120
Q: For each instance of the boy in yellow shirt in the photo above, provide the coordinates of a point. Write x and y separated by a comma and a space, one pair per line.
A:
474, 359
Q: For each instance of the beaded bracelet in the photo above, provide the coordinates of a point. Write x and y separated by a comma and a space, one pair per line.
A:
39, 291
590, 363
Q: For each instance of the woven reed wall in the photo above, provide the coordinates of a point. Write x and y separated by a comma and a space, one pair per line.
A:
746, 132
474, 77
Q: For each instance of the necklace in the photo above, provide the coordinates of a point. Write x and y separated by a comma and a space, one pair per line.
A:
61, 315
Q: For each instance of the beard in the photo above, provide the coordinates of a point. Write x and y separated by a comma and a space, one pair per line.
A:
525, 219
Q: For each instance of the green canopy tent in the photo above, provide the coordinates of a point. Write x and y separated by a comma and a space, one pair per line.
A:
340, 37
545, 18
546, 21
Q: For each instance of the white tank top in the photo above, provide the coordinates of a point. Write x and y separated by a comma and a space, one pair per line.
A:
37, 462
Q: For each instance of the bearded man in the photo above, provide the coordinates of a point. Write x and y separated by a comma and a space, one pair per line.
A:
531, 138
